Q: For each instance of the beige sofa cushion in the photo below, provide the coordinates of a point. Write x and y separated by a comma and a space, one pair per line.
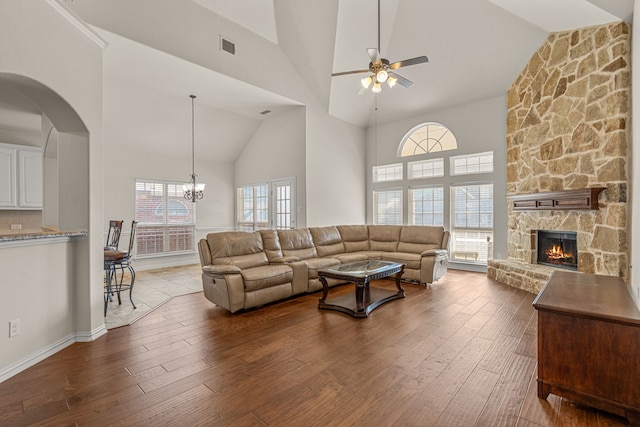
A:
242, 249
327, 241
412, 261
266, 276
316, 264
271, 244
354, 237
418, 238
384, 237
298, 243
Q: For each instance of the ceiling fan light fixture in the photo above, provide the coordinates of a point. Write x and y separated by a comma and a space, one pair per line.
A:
366, 82
391, 81
376, 87
382, 76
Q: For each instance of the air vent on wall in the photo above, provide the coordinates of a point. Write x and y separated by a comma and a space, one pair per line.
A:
227, 45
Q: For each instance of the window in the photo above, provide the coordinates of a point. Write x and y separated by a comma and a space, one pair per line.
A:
166, 221
427, 138
472, 222
283, 203
472, 163
386, 173
426, 206
387, 206
426, 169
253, 207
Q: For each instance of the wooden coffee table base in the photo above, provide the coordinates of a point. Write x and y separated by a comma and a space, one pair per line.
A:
366, 298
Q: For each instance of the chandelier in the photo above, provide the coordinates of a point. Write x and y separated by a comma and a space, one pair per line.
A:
192, 190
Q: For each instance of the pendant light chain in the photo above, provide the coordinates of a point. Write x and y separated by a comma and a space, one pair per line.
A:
192, 190
193, 138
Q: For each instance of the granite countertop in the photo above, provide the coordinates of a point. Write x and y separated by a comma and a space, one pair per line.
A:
33, 234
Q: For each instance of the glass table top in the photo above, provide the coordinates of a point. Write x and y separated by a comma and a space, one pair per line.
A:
363, 268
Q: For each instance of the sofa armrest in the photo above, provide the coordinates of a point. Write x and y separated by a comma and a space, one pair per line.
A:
434, 252
284, 259
221, 269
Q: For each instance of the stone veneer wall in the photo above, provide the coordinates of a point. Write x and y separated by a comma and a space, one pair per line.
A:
567, 128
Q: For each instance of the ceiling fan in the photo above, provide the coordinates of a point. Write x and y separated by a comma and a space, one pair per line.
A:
382, 70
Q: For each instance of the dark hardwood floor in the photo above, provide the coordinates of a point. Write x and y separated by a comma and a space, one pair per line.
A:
461, 353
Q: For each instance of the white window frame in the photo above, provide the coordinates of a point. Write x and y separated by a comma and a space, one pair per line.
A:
430, 168
433, 212
430, 137
471, 243
467, 164
388, 173
397, 205
170, 227
283, 203
259, 206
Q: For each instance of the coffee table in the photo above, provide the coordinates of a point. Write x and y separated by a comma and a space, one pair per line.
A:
367, 298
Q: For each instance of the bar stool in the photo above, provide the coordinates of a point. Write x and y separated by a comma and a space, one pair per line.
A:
113, 236
114, 260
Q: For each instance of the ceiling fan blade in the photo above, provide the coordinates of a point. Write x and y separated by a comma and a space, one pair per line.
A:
344, 73
401, 80
407, 62
374, 54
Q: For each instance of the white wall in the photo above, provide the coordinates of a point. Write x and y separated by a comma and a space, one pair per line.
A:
478, 127
186, 31
213, 213
276, 150
335, 171
37, 289
59, 66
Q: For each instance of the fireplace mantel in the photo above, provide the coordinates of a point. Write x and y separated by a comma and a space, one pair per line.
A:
555, 200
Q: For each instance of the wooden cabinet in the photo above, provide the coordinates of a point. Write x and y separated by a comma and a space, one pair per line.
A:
20, 177
558, 200
589, 343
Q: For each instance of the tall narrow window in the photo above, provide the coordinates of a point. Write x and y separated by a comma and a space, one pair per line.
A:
426, 206
471, 222
166, 221
283, 196
387, 206
253, 207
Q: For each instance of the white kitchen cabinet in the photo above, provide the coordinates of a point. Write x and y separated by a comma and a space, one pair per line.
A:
20, 177
8, 178
30, 179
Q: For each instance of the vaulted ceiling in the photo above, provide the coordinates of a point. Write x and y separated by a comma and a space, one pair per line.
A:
475, 48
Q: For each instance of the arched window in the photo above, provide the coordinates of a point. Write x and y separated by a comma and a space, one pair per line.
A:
427, 138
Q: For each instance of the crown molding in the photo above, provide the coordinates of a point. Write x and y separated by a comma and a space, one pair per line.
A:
77, 22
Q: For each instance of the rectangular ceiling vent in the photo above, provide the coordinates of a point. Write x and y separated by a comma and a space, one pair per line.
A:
227, 45
264, 112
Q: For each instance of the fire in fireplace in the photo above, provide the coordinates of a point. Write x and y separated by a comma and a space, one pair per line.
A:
558, 249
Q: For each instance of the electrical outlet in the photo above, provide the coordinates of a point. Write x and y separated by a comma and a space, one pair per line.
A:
16, 226
14, 328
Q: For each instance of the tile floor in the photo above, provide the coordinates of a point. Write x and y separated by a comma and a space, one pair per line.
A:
152, 289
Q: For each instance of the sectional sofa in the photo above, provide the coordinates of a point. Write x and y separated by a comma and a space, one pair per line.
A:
241, 270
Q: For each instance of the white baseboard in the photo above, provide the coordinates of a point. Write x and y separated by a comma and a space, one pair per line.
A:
50, 350
36, 357
92, 335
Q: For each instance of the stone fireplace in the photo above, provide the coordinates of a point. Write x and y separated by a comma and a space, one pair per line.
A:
567, 129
